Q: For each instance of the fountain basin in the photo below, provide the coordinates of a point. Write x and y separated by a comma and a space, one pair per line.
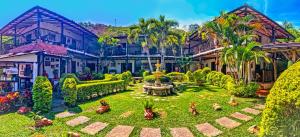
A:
163, 90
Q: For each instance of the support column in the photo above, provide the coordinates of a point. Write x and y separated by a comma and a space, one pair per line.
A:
38, 35
84, 50
15, 35
62, 33
126, 56
1, 41
294, 56
273, 38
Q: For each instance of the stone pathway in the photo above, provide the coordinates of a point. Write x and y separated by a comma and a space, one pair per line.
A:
251, 111
65, 114
259, 106
208, 130
94, 128
150, 132
181, 132
241, 116
77, 121
120, 131
227, 122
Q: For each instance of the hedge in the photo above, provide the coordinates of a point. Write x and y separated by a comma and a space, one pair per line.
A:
69, 91
92, 90
42, 94
282, 113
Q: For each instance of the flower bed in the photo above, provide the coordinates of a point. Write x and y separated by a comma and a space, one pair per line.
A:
8, 101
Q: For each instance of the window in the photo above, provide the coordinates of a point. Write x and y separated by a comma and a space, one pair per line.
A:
28, 38
51, 37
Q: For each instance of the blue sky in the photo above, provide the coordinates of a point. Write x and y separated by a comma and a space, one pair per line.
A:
127, 12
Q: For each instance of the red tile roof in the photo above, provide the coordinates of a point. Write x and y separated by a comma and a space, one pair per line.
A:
41, 47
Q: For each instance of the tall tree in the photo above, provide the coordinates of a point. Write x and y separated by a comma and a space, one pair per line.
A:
142, 33
105, 41
237, 36
162, 29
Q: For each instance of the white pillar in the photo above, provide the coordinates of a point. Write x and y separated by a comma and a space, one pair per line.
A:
34, 71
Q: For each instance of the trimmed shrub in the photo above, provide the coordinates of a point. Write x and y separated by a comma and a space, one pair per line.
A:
190, 77
92, 90
177, 76
68, 75
98, 76
205, 71
245, 90
227, 81
281, 115
111, 77
42, 94
146, 73
199, 77
69, 91
126, 76
163, 79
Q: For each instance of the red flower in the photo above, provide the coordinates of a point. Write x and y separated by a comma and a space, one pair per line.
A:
4, 100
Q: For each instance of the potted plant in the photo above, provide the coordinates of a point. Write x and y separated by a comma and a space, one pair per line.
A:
104, 107
40, 121
148, 112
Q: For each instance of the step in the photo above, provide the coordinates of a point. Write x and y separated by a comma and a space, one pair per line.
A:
77, 121
241, 116
208, 130
181, 132
120, 131
227, 122
251, 111
65, 114
150, 132
94, 128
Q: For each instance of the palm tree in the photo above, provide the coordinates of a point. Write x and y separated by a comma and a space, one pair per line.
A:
162, 30
236, 35
142, 29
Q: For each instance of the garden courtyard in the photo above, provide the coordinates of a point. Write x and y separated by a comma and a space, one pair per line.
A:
127, 109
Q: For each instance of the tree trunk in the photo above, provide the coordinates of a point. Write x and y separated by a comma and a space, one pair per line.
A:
249, 71
162, 59
149, 59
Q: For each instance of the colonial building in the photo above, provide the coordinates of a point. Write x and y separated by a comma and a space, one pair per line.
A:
133, 57
208, 55
41, 42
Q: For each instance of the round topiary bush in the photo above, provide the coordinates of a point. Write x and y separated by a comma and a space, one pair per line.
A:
282, 113
189, 76
69, 91
42, 94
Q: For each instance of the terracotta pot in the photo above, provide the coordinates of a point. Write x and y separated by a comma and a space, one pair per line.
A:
148, 114
43, 122
103, 109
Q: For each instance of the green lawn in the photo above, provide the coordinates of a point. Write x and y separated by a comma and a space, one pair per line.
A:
127, 109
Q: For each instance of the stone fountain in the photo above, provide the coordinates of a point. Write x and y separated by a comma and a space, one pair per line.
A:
158, 89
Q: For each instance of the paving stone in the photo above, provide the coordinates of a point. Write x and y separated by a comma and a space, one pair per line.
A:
77, 121
259, 106
120, 131
150, 132
181, 132
241, 116
64, 114
208, 130
94, 128
227, 122
251, 111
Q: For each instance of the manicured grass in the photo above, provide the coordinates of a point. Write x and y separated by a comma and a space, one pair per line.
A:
171, 112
